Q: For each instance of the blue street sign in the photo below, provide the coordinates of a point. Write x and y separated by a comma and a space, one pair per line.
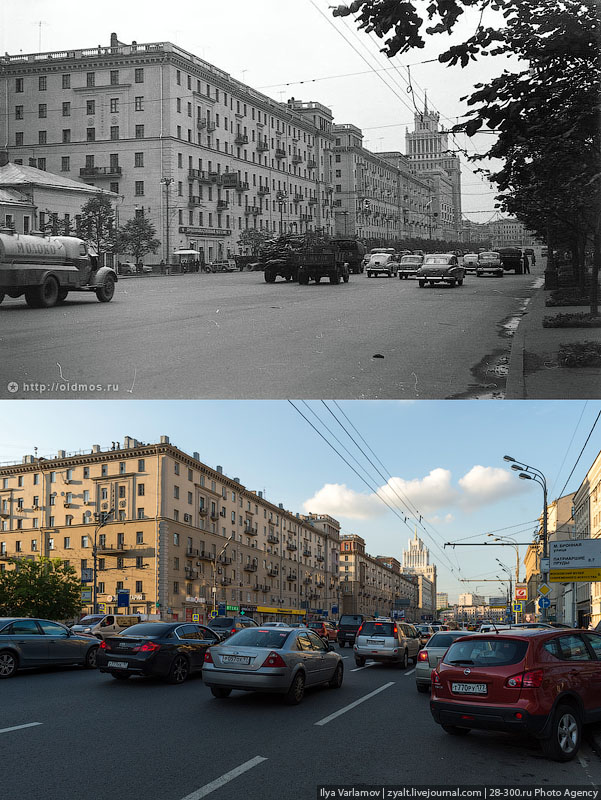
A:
221, 610
544, 602
334, 609
123, 598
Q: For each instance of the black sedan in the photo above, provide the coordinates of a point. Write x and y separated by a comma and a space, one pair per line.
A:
27, 642
169, 650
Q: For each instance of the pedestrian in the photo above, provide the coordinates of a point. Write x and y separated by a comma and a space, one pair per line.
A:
533, 259
162, 266
526, 264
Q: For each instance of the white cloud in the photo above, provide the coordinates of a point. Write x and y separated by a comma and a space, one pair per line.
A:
484, 485
438, 520
338, 500
426, 494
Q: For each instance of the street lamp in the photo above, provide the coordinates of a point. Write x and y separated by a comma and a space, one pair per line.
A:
104, 518
528, 473
281, 197
214, 565
167, 183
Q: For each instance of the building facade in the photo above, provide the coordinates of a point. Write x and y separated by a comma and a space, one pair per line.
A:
181, 536
416, 561
201, 155
587, 525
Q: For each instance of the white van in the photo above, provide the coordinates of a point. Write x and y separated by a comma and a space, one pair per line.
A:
103, 625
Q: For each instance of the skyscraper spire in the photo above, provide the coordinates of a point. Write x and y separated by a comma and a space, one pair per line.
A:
425, 102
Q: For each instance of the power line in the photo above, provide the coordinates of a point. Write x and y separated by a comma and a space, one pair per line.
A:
580, 454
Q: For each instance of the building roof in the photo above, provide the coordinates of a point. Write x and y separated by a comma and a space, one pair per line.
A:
10, 197
14, 175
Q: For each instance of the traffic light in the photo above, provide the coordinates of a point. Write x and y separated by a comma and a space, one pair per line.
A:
367, 205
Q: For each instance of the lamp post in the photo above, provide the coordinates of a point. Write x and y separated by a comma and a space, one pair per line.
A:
214, 587
103, 518
507, 571
281, 197
529, 473
167, 183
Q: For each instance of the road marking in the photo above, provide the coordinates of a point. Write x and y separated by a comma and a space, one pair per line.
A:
229, 776
325, 720
411, 671
584, 766
367, 666
19, 727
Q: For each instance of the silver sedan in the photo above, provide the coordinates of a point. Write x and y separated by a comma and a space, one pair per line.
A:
282, 660
430, 656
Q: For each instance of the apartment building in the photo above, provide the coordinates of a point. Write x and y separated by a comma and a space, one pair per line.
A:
374, 584
587, 525
200, 154
181, 536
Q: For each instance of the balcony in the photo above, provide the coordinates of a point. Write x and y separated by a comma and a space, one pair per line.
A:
311, 163
241, 138
319, 584
225, 581
242, 186
307, 581
5, 557
306, 552
203, 511
251, 567
292, 576
206, 177
194, 200
224, 559
319, 557
214, 516
193, 174
192, 552
206, 556
280, 152
201, 124
263, 190
297, 158
252, 210
229, 180
190, 573
306, 217
273, 572
250, 531
291, 546
262, 147
211, 126
106, 550
100, 172
222, 205
298, 197
312, 201
271, 537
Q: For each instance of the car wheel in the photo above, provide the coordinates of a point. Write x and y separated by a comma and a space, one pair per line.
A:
90, 662
121, 676
455, 731
46, 295
566, 732
460, 281
422, 687
421, 284
1, 296
179, 670
62, 295
317, 278
8, 664
334, 278
452, 283
336, 680
359, 661
105, 292
296, 692
269, 276
220, 692
405, 661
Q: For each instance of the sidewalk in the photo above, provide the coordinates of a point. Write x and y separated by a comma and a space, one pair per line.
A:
533, 369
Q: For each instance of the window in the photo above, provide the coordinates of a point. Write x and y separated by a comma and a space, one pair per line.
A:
139, 132
101, 587
86, 472
122, 491
178, 77
34, 545
42, 83
18, 85
66, 135
42, 110
66, 81
178, 105
36, 478
114, 77
572, 648
18, 138
68, 520
139, 537
139, 75
176, 492
141, 465
114, 105
139, 162
176, 539
85, 541
90, 107
140, 490
18, 112
114, 132
175, 587
140, 513
90, 134
104, 470
42, 139
176, 468
139, 103
190, 498
138, 586
139, 188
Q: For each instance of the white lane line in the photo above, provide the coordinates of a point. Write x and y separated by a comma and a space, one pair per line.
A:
325, 720
411, 671
229, 776
584, 765
367, 666
19, 727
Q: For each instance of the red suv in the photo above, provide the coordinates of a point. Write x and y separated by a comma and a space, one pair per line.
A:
324, 629
543, 682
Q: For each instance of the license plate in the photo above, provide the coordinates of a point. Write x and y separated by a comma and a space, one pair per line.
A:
469, 688
235, 659
375, 641
118, 664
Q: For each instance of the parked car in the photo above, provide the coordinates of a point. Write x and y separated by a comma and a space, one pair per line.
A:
409, 266
348, 626
324, 629
169, 650
103, 625
382, 264
429, 657
31, 642
386, 641
470, 262
282, 660
489, 263
228, 626
440, 268
544, 682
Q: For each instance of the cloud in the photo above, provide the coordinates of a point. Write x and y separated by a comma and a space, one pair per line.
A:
427, 494
338, 500
446, 519
485, 485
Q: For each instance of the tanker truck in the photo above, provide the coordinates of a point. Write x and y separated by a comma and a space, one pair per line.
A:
46, 268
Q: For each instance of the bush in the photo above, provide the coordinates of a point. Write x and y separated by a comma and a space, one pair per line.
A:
580, 354
573, 321
567, 297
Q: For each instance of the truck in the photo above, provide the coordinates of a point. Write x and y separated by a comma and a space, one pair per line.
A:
511, 259
279, 258
353, 252
46, 268
322, 261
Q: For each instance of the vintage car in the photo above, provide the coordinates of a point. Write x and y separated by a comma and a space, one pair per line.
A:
382, 264
440, 268
470, 262
409, 265
489, 262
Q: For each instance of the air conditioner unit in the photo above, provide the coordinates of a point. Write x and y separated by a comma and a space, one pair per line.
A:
187, 518
219, 571
198, 563
67, 480
67, 505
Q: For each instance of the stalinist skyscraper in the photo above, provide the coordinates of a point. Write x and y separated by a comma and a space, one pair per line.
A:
417, 560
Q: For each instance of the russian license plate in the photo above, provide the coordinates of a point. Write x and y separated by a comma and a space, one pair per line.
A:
469, 688
375, 641
118, 664
235, 659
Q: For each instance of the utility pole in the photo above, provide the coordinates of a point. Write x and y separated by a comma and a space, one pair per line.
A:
103, 518
167, 183
214, 587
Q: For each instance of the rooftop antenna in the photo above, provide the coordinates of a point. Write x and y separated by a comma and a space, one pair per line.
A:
39, 24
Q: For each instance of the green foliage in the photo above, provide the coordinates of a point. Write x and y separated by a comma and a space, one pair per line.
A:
253, 239
573, 321
580, 354
45, 588
137, 237
97, 224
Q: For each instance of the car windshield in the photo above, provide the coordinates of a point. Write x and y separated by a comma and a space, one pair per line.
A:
378, 629
259, 637
486, 652
445, 639
315, 625
149, 630
437, 260
91, 620
350, 619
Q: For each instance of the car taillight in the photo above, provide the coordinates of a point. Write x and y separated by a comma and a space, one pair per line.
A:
233, 630
395, 630
422, 655
208, 657
103, 645
148, 647
526, 680
359, 631
274, 660
435, 678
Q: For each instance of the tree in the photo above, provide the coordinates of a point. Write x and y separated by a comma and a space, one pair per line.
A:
137, 237
46, 588
97, 224
253, 239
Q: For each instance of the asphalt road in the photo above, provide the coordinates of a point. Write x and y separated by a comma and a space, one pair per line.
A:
144, 739
234, 336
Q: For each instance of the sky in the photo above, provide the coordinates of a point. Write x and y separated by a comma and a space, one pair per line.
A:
445, 457
284, 48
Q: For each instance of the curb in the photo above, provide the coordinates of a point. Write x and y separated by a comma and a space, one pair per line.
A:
515, 387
